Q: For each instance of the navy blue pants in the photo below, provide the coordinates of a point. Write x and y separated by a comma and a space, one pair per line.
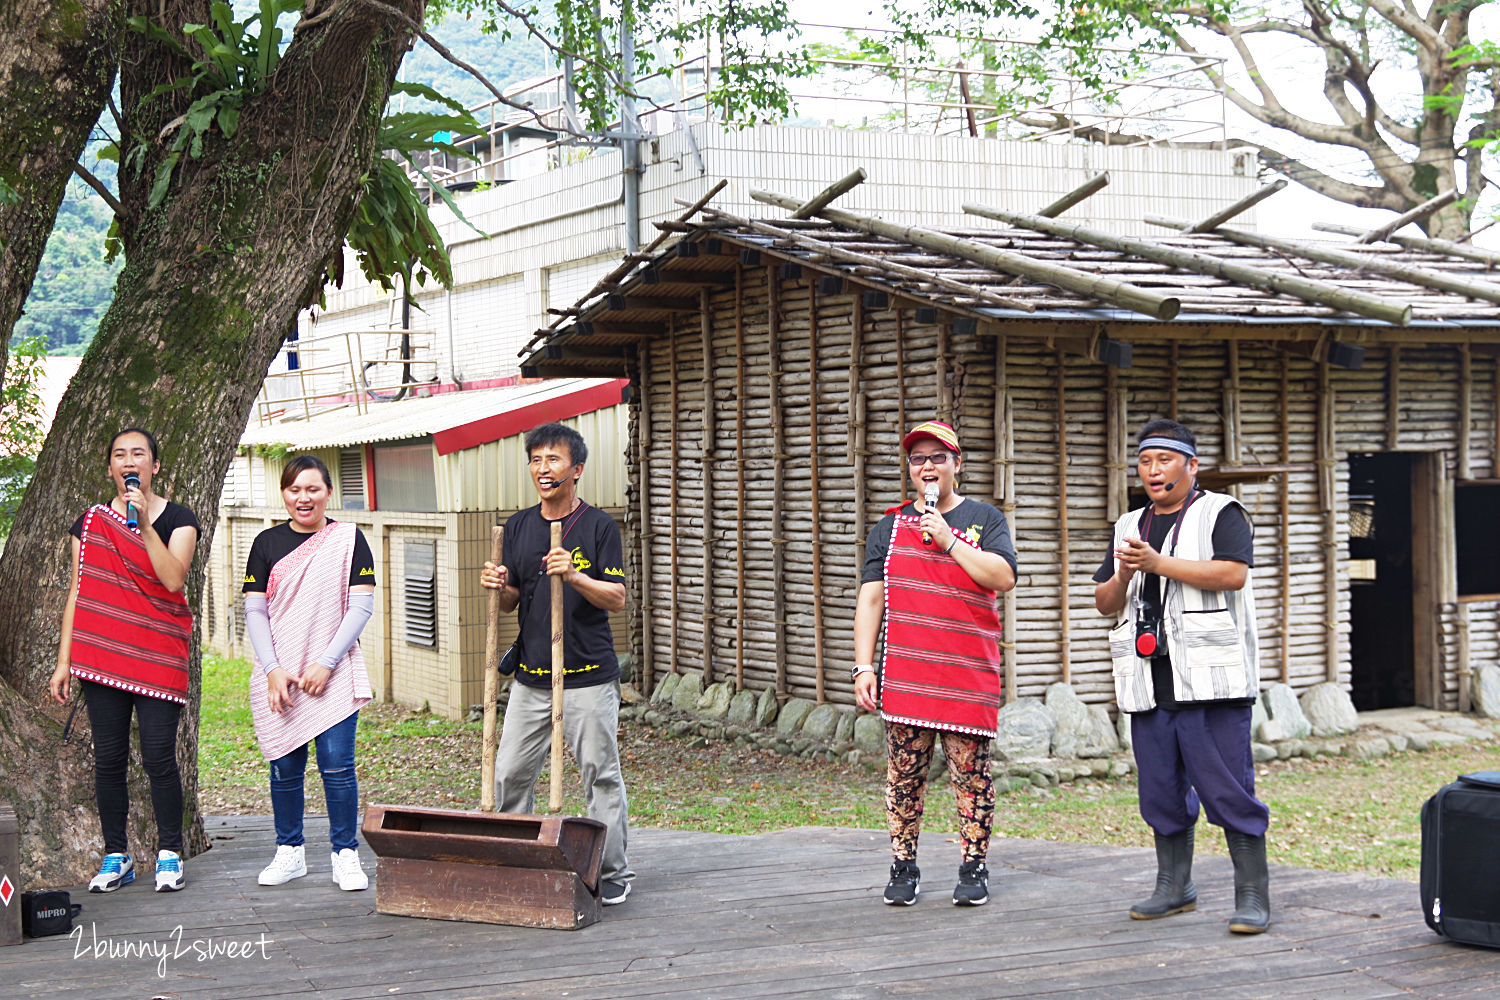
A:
1192, 754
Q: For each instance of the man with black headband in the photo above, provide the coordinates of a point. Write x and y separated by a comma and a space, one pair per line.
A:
1186, 668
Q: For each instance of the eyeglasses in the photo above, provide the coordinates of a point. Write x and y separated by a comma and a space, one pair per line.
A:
936, 458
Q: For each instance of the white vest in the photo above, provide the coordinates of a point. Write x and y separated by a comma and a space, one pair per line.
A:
1210, 634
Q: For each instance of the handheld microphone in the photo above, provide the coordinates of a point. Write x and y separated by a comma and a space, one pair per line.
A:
131, 479
930, 498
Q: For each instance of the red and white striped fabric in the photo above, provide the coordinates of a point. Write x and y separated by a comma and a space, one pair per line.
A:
307, 595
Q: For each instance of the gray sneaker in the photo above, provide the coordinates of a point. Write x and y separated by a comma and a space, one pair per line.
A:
613, 893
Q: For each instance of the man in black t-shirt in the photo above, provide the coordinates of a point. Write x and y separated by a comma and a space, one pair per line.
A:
1186, 668
591, 563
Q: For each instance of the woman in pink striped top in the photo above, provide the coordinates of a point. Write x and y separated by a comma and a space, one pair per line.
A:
309, 589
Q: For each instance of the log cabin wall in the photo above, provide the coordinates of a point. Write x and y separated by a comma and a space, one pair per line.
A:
774, 390
761, 391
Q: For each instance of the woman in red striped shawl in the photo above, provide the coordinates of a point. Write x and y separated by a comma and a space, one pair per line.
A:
932, 570
125, 633
309, 589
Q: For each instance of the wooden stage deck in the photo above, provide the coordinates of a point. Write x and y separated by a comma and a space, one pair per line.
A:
793, 914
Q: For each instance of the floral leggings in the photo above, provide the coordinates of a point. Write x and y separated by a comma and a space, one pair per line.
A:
908, 761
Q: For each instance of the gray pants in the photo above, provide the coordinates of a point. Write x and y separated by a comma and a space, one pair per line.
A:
591, 717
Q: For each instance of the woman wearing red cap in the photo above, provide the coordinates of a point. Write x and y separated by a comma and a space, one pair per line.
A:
932, 570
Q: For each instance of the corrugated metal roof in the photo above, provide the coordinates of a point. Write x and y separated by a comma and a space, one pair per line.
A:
454, 420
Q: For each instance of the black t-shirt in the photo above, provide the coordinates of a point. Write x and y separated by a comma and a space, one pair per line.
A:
272, 545
1232, 540
173, 516
977, 521
588, 644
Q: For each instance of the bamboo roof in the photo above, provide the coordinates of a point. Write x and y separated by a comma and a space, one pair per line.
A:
1031, 272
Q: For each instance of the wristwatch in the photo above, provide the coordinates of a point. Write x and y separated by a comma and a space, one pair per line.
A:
861, 668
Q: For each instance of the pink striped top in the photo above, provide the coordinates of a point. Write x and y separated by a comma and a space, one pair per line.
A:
307, 595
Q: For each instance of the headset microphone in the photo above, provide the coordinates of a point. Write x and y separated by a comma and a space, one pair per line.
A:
1175, 482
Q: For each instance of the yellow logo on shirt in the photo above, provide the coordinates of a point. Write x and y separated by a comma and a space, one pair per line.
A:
367, 571
611, 571
249, 578
579, 562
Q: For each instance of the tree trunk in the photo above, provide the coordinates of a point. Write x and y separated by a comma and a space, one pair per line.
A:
214, 279
57, 63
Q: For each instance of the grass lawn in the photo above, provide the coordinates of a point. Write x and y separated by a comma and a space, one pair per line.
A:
1333, 813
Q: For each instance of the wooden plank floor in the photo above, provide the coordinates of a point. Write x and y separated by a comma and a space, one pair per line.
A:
793, 914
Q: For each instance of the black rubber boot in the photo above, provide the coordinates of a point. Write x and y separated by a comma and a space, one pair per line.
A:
1175, 892
1252, 883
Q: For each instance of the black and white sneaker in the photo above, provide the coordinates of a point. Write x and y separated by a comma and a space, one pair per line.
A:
613, 893
973, 884
905, 883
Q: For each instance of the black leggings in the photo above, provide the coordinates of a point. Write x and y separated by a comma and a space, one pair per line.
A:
109, 716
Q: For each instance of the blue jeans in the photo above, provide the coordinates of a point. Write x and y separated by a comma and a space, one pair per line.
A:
340, 787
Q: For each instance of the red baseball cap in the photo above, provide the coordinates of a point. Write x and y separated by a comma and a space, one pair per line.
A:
935, 429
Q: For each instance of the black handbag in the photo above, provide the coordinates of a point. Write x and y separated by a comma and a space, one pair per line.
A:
47, 912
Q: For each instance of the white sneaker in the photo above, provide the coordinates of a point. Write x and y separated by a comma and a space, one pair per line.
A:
289, 863
117, 870
347, 873
168, 871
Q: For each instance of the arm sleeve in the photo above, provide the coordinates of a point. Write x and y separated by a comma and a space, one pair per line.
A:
361, 606
258, 628
996, 538
257, 570
1233, 538
362, 569
876, 546
610, 563
77, 530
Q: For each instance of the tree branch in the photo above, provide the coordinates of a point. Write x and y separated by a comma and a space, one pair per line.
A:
1359, 195
99, 189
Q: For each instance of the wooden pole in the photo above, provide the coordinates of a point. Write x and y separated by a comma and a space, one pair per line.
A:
672, 482
1233, 454
1393, 398
1073, 197
1172, 379
1116, 488
823, 198
901, 391
646, 556
491, 679
923, 277
1328, 501
855, 431
1192, 261
1005, 490
1448, 248
1225, 214
1285, 505
559, 674
1421, 211
1062, 513
1464, 465
813, 494
1370, 263
778, 478
739, 462
940, 373
1106, 289
706, 470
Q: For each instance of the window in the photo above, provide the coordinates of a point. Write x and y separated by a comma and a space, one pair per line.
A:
404, 477
1478, 532
352, 478
419, 600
